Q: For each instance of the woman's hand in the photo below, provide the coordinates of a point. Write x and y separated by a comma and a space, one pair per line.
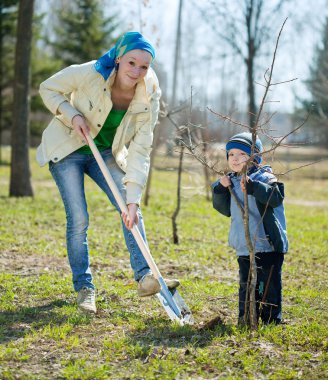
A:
80, 126
132, 218
225, 181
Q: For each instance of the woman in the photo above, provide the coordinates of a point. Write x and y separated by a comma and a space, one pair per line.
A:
116, 100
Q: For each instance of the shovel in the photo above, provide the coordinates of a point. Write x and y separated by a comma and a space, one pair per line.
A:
173, 303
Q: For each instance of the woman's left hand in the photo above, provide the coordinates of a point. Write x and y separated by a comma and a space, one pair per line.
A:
132, 217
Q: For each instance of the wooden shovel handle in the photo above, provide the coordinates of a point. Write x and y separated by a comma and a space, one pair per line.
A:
123, 207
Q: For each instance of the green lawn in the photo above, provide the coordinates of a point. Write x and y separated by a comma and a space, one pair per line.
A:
43, 336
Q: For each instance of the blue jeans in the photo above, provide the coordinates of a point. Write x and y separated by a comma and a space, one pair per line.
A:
69, 177
266, 262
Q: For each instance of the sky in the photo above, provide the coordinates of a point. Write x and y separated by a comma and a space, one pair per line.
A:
202, 57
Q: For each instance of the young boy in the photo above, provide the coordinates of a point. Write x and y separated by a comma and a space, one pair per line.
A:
267, 224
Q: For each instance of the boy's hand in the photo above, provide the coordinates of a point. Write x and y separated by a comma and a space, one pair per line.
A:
225, 181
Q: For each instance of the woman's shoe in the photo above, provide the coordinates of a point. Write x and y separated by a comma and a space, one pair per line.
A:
148, 285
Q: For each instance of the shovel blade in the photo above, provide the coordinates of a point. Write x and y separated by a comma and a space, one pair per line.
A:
174, 305
184, 309
169, 310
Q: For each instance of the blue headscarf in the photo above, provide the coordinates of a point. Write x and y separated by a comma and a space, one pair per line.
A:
129, 41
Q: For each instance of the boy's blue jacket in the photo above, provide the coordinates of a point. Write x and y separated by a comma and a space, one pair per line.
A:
267, 221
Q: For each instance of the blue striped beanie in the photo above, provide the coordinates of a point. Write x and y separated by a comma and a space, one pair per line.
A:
243, 141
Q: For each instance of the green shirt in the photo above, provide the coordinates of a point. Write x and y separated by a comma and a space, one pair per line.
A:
105, 137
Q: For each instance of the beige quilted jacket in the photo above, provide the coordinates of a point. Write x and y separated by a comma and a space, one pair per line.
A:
80, 89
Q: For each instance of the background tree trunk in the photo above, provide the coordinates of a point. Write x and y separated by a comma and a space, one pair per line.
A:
252, 15
20, 176
1, 76
251, 91
176, 56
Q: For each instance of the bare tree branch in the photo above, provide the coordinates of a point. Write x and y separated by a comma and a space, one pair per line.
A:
270, 75
224, 117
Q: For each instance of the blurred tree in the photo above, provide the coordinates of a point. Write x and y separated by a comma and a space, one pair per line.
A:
20, 176
42, 66
82, 33
245, 26
318, 87
8, 20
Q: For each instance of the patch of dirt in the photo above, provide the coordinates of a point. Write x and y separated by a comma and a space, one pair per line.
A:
28, 265
218, 320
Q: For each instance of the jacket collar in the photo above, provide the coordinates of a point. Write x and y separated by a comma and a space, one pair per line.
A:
140, 101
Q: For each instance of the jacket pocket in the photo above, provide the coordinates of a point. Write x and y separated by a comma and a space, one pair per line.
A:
58, 140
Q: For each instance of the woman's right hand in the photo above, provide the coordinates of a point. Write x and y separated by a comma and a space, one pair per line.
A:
80, 126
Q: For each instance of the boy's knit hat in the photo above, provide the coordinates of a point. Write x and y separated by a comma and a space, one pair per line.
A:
243, 141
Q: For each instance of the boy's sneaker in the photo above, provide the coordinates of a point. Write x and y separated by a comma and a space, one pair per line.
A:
86, 300
148, 285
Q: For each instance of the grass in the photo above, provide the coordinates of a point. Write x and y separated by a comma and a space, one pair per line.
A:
43, 336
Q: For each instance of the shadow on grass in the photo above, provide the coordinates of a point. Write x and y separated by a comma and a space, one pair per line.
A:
15, 325
165, 333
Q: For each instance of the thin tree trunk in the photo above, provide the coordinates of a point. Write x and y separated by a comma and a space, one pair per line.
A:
20, 179
204, 138
250, 317
176, 212
250, 302
207, 183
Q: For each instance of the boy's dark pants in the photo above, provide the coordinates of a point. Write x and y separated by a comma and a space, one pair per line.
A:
265, 262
